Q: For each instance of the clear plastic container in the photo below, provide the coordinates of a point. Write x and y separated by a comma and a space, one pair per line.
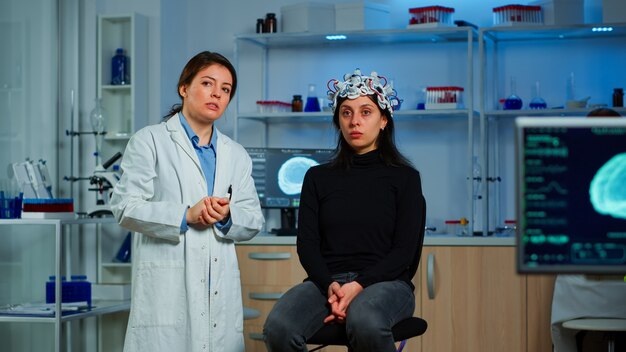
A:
444, 98
511, 15
431, 16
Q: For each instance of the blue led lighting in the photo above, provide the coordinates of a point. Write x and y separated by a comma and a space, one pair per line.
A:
602, 29
336, 37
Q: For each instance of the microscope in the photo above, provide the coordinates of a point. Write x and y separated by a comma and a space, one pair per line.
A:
103, 181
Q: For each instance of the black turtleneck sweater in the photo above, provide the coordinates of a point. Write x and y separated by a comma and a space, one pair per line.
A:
364, 219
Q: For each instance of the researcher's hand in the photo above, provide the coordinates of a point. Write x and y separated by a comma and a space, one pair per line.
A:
341, 299
208, 211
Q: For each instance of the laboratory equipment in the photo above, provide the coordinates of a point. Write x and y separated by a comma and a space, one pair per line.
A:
10, 205
78, 289
618, 97
270, 24
537, 101
512, 15
124, 252
32, 178
296, 103
104, 181
444, 98
513, 102
119, 68
98, 125
431, 16
312, 102
260, 24
570, 177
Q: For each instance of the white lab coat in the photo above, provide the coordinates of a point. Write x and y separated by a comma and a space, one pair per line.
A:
173, 308
575, 297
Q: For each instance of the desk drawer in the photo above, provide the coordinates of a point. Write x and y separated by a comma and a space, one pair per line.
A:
269, 265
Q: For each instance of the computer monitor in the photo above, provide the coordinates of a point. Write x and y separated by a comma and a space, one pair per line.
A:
571, 195
278, 174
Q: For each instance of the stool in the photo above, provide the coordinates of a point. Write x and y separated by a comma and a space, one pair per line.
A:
607, 325
335, 334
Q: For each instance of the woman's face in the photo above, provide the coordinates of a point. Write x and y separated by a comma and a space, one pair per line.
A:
208, 95
360, 121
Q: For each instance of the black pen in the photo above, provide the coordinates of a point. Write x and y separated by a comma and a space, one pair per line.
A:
230, 192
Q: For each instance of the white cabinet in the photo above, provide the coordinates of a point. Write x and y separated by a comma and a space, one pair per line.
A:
440, 143
126, 105
551, 55
32, 251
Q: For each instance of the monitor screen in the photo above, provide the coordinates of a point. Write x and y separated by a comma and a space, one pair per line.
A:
278, 173
571, 195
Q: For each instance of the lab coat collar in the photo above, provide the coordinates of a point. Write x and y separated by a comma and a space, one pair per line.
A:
178, 135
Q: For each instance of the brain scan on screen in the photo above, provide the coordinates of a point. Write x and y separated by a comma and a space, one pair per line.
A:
291, 174
608, 188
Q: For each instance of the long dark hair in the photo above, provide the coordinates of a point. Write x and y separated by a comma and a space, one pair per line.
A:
198, 63
386, 141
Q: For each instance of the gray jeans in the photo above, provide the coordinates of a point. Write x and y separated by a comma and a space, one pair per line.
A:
300, 312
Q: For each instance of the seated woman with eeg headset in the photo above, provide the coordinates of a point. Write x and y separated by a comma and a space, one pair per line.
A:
358, 233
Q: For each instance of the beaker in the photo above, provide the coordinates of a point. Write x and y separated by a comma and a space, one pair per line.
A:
312, 103
513, 102
537, 101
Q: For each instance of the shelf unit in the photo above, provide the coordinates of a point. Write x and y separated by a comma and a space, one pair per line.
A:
303, 58
585, 50
37, 242
126, 105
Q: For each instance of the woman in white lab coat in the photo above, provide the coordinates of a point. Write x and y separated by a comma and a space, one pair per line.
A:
187, 192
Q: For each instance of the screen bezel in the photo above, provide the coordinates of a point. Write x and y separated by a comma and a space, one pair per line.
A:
521, 124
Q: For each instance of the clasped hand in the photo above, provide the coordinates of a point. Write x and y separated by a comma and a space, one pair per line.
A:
339, 298
208, 211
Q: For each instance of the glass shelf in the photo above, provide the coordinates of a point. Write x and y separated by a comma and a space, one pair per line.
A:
537, 32
413, 35
100, 307
401, 115
545, 112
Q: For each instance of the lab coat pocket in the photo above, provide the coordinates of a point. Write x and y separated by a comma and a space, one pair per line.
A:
159, 299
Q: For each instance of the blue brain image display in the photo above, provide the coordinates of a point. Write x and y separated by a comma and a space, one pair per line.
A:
608, 188
291, 174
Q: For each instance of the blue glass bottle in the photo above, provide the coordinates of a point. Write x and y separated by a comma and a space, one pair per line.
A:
119, 68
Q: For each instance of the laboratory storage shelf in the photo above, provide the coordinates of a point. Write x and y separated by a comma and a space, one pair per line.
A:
126, 105
573, 62
35, 249
285, 63
401, 115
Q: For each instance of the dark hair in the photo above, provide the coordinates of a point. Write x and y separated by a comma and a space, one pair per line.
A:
606, 112
386, 141
198, 63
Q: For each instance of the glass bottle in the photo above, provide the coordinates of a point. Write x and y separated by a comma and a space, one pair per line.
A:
259, 25
98, 125
618, 97
513, 102
312, 103
119, 68
537, 101
270, 23
296, 103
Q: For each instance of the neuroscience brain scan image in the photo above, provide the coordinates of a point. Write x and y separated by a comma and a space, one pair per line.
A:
608, 188
291, 174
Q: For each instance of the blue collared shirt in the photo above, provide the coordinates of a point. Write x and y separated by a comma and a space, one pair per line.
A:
207, 154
